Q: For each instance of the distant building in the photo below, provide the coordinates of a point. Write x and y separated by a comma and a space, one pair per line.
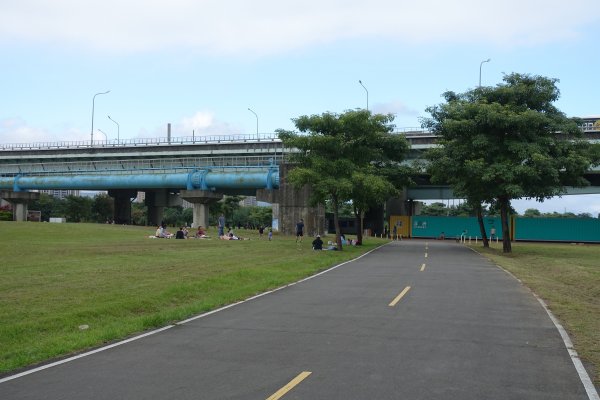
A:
141, 197
590, 124
61, 194
249, 201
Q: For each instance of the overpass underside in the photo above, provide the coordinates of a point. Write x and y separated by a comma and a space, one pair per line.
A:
166, 183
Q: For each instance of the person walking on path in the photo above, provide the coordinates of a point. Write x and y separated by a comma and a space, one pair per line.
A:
300, 230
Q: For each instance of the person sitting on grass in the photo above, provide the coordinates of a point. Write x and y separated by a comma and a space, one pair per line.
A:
317, 243
179, 234
201, 233
161, 232
231, 236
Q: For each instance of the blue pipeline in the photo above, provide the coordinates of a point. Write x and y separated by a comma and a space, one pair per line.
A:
204, 180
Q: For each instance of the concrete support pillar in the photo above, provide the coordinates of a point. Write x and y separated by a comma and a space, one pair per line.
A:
19, 202
122, 198
374, 220
156, 201
200, 215
20, 211
201, 199
293, 205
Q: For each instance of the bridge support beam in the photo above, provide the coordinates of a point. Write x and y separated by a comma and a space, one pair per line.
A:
201, 199
156, 201
19, 202
122, 198
291, 204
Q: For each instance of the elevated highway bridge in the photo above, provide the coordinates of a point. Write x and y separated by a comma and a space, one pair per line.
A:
197, 169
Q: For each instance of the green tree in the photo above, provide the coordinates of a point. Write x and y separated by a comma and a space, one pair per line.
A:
436, 209
345, 210
230, 204
507, 142
102, 208
172, 215
241, 216
340, 156
78, 209
261, 216
187, 216
49, 206
6, 213
139, 213
532, 213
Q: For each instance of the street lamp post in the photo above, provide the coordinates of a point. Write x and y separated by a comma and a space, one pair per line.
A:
118, 128
361, 84
480, 65
104, 133
93, 103
256, 115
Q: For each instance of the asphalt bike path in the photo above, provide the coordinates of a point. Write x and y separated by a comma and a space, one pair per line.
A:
411, 320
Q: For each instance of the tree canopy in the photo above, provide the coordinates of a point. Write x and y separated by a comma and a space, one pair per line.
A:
344, 157
507, 142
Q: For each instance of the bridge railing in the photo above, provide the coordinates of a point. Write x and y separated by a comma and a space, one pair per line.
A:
165, 141
140, 142
194, 140
161, 165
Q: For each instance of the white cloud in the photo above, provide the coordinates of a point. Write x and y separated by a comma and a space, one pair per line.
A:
270, 26
204, 123
394, 107
16, 130
199, 121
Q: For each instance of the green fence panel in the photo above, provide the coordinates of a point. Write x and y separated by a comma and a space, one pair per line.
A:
558, 229
452, 227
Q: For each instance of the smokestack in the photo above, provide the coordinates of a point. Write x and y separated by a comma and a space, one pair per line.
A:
169, 133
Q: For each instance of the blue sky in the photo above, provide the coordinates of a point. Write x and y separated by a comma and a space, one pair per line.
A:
200, 65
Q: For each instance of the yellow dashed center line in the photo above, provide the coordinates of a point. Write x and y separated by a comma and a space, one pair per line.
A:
425, 255
399, 297
422, 267
292, 384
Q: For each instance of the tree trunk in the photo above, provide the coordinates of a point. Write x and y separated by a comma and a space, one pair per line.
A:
506, 245
358, 215
336, 222
484, 237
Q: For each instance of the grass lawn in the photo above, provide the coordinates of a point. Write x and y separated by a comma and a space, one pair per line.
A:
56, 278
567, 277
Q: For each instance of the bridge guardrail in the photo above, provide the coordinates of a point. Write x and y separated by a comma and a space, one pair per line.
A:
192, 140
165, 141
160, 141
139, 165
